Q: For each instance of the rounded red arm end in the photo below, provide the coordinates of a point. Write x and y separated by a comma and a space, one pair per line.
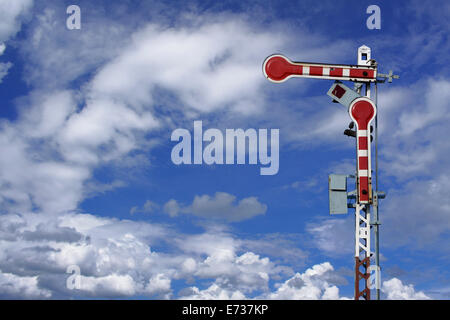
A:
278, 68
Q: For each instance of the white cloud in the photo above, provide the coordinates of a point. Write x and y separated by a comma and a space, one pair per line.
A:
29, 178
43, 114
333, 236
214, 292
102, 123
313, 284
213, 64
172, 208
52, 149
280, 246
50, 49
11, 13
159, 284
246, 272
4, 67
148, 207
428, 213
118, 285
221, 206
116, 260
396, 290
209, 67
16, 287
219, 259
69, 133
414, 128
115, 257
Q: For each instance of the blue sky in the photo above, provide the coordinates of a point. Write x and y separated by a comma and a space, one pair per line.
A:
87, 180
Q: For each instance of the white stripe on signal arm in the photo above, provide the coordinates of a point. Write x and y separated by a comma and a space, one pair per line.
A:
363, 153
363, 173
305, 70
362, 133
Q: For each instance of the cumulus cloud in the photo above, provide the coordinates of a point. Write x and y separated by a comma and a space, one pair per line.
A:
15, 287
221, 206
226, 260
396, 290
159, 284
51, 232
111, 285
116, 259
214, 292
313, 284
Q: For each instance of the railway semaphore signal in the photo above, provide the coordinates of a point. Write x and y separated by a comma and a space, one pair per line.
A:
363, 112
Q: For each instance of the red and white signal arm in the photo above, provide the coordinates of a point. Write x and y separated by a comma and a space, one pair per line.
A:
277, 68
362, 111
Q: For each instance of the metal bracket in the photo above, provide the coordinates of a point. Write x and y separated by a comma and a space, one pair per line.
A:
357, 87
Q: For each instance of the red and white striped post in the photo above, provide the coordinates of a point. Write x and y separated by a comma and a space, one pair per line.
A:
362, 111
